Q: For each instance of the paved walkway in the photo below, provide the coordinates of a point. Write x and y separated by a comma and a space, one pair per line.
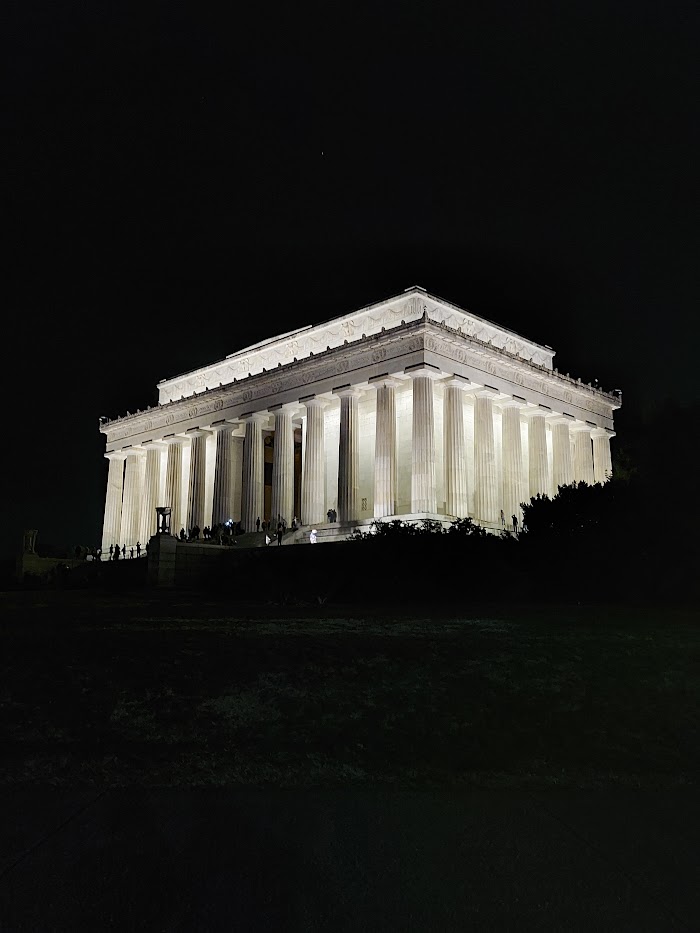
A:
226, 860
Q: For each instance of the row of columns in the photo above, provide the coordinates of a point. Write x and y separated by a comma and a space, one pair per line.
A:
132, 493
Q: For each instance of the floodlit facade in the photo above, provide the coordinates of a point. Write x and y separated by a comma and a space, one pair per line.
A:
411, 407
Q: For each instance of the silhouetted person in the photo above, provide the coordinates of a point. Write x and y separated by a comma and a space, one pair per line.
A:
98, 553
182, 534
116, 553
257, 523
515, 524
131, 553
280, 533
503, 519
111, 551
294, 523
138, 548
124, 551
329, 515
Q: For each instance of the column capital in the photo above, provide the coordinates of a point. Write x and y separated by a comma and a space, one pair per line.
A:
197, 432
514, 402
602, 432
560, 418
348, 391
536, 410
580, 426
258, 416
153, 445
457, 382
115, 455
389, 382
423, 369
486, 392
284, 407
174, 439
313, 401
135, 450
217, 426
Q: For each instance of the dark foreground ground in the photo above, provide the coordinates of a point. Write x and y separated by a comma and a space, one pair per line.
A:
176, 690
177, 763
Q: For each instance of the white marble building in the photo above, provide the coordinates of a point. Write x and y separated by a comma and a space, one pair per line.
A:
409, 407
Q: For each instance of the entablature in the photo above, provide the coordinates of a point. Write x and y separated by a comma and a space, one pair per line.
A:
385, 353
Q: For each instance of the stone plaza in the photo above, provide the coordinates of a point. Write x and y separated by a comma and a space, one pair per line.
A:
409, 408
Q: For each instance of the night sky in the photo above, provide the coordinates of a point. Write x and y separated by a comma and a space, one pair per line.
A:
182, 184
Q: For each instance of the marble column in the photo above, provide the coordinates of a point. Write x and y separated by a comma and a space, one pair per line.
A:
583, 453
111, 528
456, 499
151, 491
198, 473
537, 451
236, 477
253, 470
173, 483
423, 496
485, 490
562, 467
385, 449
514, 489
131, 506
602, 461
313, 489
283, 466
221, 507
348, 455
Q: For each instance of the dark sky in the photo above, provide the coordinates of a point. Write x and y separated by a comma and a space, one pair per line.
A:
181, 184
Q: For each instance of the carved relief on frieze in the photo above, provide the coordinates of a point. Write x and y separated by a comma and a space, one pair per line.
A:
193, 412
218, 404
378, 355
170, 419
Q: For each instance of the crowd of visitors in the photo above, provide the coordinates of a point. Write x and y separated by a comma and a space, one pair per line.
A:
124, 553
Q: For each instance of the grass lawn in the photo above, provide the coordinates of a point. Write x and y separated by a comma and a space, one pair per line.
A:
176, 689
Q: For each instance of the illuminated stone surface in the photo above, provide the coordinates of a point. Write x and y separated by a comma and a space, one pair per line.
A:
253, 471
456, 499
313, 494
348, 456
173, 483
283, 468
198, 468
423, 498
385, 449
464, 418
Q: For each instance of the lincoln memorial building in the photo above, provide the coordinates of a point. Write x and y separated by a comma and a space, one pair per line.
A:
410, 407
